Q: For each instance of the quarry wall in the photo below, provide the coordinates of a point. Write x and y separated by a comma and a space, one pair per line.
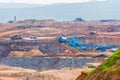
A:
49, 47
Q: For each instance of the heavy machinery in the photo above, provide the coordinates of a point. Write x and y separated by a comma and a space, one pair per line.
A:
16, 37
73, 42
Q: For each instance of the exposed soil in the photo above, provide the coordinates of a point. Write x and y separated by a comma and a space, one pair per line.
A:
32, 53
105, 33
15, 73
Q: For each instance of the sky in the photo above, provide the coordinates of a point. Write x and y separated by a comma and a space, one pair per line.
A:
45, 1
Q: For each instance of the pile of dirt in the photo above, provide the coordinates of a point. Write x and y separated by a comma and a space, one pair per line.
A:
109, 70
69, 49
33, 52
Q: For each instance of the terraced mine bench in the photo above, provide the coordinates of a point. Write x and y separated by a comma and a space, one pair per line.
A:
45, 63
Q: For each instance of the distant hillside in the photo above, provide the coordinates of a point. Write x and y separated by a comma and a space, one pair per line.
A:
88, 11
109, 70
19, 5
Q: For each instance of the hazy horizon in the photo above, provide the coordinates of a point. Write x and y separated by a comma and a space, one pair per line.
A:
89, 10
46, 1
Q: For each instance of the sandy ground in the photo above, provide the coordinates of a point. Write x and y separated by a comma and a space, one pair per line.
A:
63, 74
9, 32
16, 73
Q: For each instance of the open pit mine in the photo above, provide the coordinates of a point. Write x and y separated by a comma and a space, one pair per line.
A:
45, 47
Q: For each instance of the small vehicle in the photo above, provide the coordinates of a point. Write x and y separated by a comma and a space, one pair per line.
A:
16, 37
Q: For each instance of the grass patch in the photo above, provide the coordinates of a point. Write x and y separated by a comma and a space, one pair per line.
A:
39, 70
106, 66
91, 66
89, 72
115, 69
40, 79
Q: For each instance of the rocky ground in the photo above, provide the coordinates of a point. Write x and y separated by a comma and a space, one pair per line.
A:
45, 63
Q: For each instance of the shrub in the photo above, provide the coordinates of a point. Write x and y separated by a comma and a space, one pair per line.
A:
40, 79
91, 66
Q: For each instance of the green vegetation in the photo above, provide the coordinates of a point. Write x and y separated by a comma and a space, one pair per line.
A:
108, 65
91, 66
40, 79
115, 68
89, 73
39, 70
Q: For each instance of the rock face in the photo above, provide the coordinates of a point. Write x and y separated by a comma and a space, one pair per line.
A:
29, 46
45, 63
26, 47
109, 70
4, 50
52, 47
46, 47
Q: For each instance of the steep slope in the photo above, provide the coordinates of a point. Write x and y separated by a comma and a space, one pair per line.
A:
109, 70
